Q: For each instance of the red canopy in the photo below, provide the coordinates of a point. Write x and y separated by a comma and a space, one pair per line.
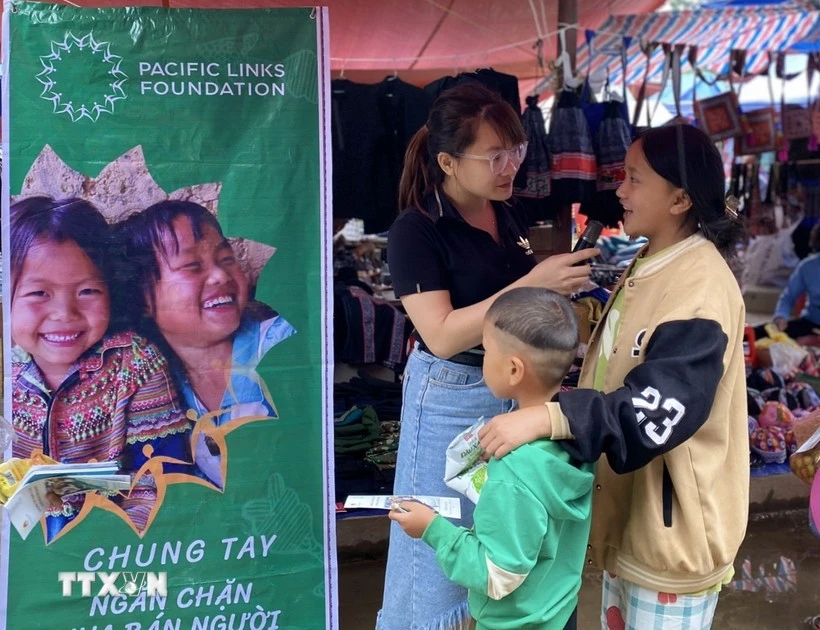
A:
423, 40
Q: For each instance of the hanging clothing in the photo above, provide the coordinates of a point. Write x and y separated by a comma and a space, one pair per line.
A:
595, 111
371, 126
505, 84
369, 330
403, 109
574, 169
738, 181
611, 142
356, 127
533, 191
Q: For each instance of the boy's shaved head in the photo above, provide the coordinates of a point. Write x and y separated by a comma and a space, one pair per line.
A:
539, 324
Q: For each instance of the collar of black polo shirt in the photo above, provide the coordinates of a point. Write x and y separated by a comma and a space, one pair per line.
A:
439, 206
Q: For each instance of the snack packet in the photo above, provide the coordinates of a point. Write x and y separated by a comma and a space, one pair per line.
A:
11, 473
464, 470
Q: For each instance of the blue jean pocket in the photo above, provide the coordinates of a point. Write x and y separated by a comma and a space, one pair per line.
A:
450, 376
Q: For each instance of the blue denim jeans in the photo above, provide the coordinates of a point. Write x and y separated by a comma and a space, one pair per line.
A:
440, 399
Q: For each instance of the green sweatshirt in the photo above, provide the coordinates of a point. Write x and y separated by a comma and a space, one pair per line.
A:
523, 559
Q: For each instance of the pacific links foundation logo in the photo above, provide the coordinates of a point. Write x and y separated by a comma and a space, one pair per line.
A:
82, 99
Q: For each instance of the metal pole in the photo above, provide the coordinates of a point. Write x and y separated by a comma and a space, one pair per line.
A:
567, 15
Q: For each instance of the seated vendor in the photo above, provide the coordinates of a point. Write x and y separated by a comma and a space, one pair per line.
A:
804, 280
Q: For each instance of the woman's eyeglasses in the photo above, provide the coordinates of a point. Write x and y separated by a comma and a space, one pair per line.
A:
500, 159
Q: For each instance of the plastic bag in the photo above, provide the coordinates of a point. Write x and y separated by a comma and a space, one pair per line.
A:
775, 335
6, 435
786, 358
806, 459
770, 259
464, 470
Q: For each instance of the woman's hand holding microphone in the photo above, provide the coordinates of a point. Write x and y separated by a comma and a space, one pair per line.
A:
568, 273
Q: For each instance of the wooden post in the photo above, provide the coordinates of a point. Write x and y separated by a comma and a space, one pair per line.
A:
568, 14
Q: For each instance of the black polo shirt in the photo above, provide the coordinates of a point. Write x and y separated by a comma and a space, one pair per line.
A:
442, 252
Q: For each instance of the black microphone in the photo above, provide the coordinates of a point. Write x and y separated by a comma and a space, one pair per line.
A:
588, 239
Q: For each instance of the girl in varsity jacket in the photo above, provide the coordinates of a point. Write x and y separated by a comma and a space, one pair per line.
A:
662, 394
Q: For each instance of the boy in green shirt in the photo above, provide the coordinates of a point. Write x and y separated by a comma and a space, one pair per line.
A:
523, 559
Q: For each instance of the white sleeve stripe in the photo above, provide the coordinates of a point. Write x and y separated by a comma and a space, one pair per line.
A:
501, 583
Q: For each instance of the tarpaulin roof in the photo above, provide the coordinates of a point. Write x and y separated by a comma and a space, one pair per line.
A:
810, 43
783, 4
790, 27
423, 40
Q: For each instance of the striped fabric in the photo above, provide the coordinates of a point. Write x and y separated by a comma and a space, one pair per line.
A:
573, 169
574, 166
118, 399
715, 32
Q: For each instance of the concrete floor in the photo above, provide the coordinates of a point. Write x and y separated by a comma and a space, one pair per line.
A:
770, 536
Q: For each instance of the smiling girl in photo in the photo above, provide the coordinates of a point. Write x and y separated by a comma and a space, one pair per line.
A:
81, 392
188, 294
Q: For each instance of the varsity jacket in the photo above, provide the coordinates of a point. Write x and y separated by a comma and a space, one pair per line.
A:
523, 559
671, 498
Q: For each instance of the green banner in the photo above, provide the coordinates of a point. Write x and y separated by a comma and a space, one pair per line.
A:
165, 256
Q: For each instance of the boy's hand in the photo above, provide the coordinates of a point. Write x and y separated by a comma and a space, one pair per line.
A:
415, 519
508, 431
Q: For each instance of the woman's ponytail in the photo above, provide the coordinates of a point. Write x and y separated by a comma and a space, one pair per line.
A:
419, 173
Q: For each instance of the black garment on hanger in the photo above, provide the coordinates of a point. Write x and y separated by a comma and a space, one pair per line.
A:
371, 127
434, 89
403, 109
505, 84
356, 127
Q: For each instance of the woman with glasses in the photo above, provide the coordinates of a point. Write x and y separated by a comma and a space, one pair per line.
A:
458, 244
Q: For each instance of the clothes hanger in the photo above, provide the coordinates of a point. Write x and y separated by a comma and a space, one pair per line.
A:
390, 79
341, 78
